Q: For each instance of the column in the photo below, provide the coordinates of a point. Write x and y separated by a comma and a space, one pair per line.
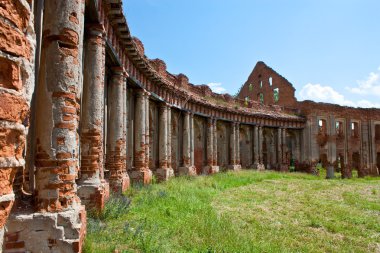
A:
140, 173
237, 143
233, 148
256, 146
147, 132
169, 139
116, 153
165, 171
92, 188
215, 161
17, 82
210, 168
192, 140
56, 135
187, 168
261, 165
284, 147
279, 147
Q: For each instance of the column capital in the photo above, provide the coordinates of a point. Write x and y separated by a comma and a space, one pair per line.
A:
142, 93
96, 30
119, 71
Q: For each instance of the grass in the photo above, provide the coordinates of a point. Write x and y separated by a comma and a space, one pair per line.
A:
244, 211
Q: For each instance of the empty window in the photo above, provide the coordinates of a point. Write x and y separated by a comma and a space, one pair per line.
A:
260, 97
339, 128
355, 129
322, 126
270, 81
276, 95
250, 87
261, 84
246, 100
377, 132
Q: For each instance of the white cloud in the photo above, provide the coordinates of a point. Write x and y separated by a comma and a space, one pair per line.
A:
217, 87
327, 94
370, 86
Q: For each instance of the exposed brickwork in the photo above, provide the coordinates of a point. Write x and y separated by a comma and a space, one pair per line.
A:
195, 131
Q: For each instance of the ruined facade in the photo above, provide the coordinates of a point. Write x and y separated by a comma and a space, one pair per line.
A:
84, 113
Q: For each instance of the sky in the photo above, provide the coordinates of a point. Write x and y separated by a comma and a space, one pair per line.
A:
328, 49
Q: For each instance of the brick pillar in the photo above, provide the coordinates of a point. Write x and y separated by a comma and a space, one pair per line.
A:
17, 51
188, 167
261, 165
147, 132
140, 173
210, 168
92, 188
284, 147
165, 171
60, 221
237, 143
215, 161
192, 138
169, 139
256, 147
116, 153
233, 148
279, 147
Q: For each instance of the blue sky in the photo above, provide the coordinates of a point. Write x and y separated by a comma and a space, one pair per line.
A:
328, 49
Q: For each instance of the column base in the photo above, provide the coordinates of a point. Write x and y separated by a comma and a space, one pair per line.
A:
234, 167
94, 196
164, 174
119, 186
207, 170
284, 167
260, 167
141, 176
187, 171
62, 231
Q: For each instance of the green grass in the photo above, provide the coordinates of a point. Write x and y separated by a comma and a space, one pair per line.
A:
244, 211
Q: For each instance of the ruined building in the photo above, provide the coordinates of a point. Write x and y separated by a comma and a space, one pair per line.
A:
83, 112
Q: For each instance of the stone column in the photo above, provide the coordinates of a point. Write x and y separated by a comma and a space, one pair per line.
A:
169, 140
116, 155
256, 147
17, 66
237, 143
261, 157
279, 147
92, 188
192, 140
233, 148
188, 167
210, 168
59, 225
165, 171
215, 161
147, 132
140, 173
284, 147
298, 147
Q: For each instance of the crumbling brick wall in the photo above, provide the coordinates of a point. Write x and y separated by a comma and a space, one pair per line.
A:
264, 80
16, 82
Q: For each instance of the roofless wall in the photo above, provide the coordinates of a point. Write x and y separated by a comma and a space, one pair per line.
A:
84, 113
